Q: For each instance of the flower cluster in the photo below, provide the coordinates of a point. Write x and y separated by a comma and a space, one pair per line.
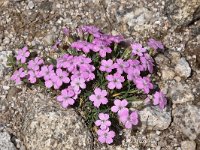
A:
99, 73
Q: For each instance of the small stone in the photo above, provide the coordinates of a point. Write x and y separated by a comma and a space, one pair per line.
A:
153, 118
187, 118
6, 87
51, 127
182, 68
48, 40
180, 93
161, 60
188, 145
167, 73
5, 142
177, 78
158, 148
31, 4
6, 40
158, 132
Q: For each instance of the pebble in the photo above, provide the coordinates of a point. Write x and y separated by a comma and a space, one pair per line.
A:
6, 87
182, 68
188, 145
31, 4
6, 40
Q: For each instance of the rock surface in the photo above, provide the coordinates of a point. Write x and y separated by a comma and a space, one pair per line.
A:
182, 68
153, 118
180, 93
188, 145
56, 129
187, 118
5, 142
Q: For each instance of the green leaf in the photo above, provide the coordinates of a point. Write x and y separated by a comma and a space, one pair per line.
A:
52, 60
133, 98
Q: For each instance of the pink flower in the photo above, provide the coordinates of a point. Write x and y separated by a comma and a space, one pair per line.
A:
35, 64
53, 80
91, 30
69, 63
23, 54
82, 45
134, 64
133, 74
116, 38
78, 83
101, 49
147, 100
65, 31
160, 99
106, 65
119, 106
155, 44
137, 49
66, 98
46, 71
115, 81
144, 84
106, 136
129, 120
56, 45
99, 97
101, 41
32, 76
18, 75
121, 66
60, 77
147, 62
104, 123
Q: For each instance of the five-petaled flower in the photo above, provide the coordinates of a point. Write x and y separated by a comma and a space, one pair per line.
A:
103, 121
99, 97
23, 54
106, 136
106, 65
144, 84
119, 106
137, 49
115, 81
155, 44
160, 99
129, 120
18, 75
66, 98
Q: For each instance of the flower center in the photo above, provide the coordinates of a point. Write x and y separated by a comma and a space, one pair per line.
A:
98, 96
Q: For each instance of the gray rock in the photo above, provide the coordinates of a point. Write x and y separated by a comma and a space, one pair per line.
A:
188, 145
182, 68
6, 40
3, 61
175, 56
138, 18
48, 40
3, 3
46, 5
162, 60
167, 73
180, 11
31, 4
48, 126
153, 118
180, 93
5, 142
187, 118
